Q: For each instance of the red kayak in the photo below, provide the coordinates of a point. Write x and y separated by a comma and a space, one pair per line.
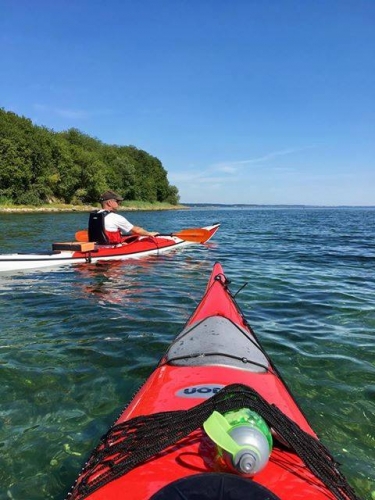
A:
214, 420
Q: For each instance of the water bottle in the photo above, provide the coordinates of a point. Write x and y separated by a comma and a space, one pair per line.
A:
243, 439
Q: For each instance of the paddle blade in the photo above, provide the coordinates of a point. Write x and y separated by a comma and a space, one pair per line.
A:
196, 235
82, 236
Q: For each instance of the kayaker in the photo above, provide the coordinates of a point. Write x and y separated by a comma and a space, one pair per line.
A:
115, 227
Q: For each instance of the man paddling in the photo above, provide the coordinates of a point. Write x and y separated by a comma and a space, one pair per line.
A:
107, 227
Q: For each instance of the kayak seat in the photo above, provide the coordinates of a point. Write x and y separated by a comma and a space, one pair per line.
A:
217, 341
96, 230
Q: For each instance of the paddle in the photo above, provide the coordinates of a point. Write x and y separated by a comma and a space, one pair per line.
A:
196, 235
82, 235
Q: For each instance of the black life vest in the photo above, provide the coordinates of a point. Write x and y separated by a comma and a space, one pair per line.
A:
96, 227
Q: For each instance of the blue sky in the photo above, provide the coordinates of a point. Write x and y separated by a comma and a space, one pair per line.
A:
243, 101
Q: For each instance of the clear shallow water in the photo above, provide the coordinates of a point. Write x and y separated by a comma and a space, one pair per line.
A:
77, 342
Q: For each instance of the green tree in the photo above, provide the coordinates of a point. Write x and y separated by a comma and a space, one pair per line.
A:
172, 196
15, 169
38, 165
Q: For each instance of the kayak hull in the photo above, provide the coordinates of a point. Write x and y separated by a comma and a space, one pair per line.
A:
142, 247
217, 348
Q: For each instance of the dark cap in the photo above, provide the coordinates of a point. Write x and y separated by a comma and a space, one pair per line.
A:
110, 195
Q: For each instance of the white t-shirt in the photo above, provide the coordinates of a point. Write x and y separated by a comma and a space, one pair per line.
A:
113, 222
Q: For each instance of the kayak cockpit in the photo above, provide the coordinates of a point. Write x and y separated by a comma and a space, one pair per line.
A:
208, 486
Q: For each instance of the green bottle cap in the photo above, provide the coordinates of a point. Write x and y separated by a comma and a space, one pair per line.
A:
217, 427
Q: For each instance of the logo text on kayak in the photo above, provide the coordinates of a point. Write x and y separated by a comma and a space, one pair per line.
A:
199, 391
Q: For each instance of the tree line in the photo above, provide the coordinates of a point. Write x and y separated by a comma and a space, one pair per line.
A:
39, 165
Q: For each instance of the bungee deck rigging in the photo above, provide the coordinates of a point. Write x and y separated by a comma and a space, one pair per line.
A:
128, 444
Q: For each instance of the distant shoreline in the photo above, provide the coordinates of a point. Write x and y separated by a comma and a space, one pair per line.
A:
143, 206
88, 208
253, 205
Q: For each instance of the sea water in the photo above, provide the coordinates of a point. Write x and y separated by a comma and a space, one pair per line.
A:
76, 342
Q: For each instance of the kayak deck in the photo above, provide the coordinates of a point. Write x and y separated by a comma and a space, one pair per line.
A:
232, 346
158, 445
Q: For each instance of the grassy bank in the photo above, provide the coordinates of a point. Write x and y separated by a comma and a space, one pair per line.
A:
56, 207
